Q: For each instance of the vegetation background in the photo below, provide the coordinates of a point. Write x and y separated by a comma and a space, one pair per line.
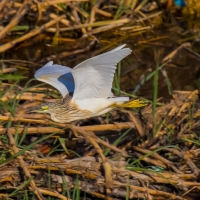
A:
150, 153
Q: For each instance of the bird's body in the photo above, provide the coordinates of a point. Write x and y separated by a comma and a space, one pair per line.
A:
90, 82
68, 110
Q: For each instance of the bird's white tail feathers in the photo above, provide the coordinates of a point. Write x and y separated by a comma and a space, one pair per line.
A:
119, 100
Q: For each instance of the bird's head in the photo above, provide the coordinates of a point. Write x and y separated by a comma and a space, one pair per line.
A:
43, 108
57, 110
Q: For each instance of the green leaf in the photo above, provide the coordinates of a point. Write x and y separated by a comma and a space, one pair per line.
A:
11, 77
7, 107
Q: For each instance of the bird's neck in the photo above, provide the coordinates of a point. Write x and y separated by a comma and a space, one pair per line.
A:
66, 100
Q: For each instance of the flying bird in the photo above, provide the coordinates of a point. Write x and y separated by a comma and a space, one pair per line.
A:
90, 84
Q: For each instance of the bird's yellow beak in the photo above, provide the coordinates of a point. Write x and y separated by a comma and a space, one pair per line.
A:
39, 109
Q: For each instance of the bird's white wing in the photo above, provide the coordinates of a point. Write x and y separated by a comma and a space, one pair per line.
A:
58, 76
93, 77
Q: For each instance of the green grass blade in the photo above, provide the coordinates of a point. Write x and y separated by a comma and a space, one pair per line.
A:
21, 187
155, 95
146, 79
151, 153
11, 77
117, 141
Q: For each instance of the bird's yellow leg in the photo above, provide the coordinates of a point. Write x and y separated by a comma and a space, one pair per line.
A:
137, 103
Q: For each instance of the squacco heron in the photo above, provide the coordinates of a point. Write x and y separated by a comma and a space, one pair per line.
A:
90, 82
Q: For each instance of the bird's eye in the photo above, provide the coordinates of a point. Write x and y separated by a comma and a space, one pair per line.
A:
45, 107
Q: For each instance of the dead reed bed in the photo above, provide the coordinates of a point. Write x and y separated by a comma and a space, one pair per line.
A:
143, 156
151, 153
27, 22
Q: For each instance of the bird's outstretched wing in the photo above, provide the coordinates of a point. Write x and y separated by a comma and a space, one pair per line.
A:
93, 77
58, 76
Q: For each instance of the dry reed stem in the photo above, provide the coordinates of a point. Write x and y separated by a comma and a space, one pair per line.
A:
30, 116
169, 57
52, 2
3, 196
32, 130
21, 119
82, 12
16, 19
95, 24
188, 159
152, 39
152, 161
155, 193
24, 96
122, 152
63, 21
158, 157
10, 85
106, 165
102, 29
8, 70
23, 166
49, 3
116, 126
57, 8
53, 194
98, 140
98, 195
2, 4
39, 9
136, 122
134, 3
32, 33
172, 112
82, 170
149, 16
127, 2
104, 13
161, 177
93, 11
189, 191
62, 163
76, 17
